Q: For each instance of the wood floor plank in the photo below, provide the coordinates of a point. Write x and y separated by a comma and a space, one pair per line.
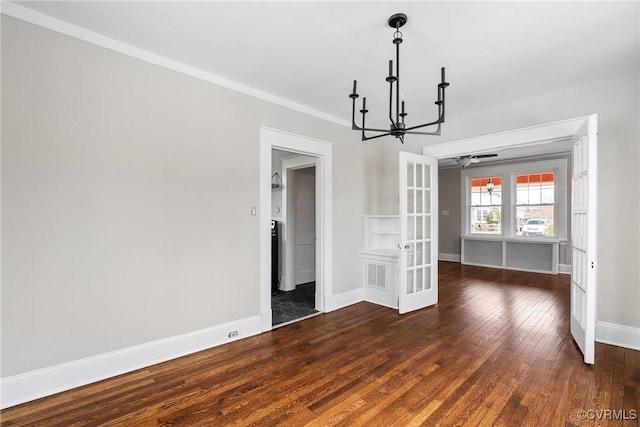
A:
495, 350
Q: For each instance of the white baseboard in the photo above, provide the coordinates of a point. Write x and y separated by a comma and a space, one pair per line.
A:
622, 336
372, 301
345, 299
564, 269
449, 257
33, 385
266, 317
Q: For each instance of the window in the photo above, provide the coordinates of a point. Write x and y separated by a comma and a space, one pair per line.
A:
535, 204
527, 199
486, 205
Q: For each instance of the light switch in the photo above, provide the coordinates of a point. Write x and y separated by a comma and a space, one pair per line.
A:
253, 211
445, 213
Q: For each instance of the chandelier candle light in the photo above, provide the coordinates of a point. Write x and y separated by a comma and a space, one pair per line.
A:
397, 127
490, 185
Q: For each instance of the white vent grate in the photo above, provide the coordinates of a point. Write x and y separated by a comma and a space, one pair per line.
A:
377, 275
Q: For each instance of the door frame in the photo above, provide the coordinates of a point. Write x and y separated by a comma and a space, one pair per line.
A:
540, 134
533, 135
291, 164
322, 151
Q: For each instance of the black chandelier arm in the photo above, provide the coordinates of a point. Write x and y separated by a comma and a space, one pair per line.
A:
353, 116
354, 126
436, 132
354, 95
363, 128
437, 122
440, 119
441, 92
376, 130
366, 138
440, 104
390, 97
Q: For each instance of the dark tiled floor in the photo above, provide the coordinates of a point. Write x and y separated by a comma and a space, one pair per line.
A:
291, 305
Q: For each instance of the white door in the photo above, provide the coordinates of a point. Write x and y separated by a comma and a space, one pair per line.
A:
304, 203
584, 237
418, 286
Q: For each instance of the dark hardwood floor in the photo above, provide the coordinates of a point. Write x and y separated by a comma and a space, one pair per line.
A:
496, 350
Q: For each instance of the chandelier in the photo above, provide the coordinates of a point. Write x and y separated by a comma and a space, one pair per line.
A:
397, 115
490, 185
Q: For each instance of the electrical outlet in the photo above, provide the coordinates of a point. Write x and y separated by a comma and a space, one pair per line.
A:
233, 334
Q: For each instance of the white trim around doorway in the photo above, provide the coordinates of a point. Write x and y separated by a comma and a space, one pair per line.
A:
291, 164
533, 135
321, 150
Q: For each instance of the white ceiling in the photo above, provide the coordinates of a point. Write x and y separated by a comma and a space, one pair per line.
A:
310, 52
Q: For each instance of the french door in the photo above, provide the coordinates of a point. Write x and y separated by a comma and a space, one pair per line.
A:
584, 237
418, 246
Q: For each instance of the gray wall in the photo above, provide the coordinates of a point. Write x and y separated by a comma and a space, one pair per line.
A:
126, 198
449, 199
616, 99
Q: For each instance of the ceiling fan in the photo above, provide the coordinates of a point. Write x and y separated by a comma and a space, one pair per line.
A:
467, 160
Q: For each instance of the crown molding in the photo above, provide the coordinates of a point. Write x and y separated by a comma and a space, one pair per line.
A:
63, 27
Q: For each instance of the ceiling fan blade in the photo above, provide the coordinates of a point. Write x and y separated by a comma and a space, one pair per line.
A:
474, 160
484, 156
464, 161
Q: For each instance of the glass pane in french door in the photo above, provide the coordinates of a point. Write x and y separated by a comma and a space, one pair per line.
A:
419, 174
411, 228
427, 278
411, 255
419, 253
411, 201
426, 231
410, 282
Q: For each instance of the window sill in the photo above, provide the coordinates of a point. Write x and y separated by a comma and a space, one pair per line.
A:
519, 239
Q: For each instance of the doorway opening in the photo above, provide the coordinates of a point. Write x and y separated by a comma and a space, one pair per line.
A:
293, 209
583, 133
307, 165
